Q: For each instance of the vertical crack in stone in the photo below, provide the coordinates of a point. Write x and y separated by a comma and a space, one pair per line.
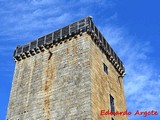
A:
50, 55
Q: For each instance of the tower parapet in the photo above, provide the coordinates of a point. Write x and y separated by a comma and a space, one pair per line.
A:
67, 32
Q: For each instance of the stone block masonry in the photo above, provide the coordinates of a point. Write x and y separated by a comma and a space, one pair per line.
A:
64, 79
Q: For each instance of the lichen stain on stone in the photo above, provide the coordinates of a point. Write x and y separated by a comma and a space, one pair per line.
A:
50, 76
46, 108
67, 51
51, 73
73, 48
47, 88
74, 52
35, 62
47, 102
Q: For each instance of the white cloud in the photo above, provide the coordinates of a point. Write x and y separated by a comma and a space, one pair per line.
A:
43, 2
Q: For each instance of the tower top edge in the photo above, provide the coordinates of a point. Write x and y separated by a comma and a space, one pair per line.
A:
83, 25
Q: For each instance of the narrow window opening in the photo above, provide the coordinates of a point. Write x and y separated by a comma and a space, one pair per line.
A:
105, 68
112, 104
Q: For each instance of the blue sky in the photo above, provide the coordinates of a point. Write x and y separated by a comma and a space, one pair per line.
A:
131, 27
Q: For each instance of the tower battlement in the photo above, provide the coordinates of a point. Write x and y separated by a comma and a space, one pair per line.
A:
66, 33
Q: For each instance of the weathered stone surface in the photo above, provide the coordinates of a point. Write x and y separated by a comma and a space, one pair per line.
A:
102, 85
70, 84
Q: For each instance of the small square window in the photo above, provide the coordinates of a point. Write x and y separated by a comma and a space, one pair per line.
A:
105, 68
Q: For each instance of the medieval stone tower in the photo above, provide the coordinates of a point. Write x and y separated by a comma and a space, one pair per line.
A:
70, 74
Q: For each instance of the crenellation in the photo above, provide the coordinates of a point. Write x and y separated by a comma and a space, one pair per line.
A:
70, 32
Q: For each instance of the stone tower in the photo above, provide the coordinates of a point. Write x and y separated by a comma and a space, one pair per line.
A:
69, 74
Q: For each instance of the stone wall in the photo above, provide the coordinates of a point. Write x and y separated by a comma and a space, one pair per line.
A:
103, 85
53, 87
65, 82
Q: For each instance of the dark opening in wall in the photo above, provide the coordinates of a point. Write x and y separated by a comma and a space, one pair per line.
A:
105, 68
112, 104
